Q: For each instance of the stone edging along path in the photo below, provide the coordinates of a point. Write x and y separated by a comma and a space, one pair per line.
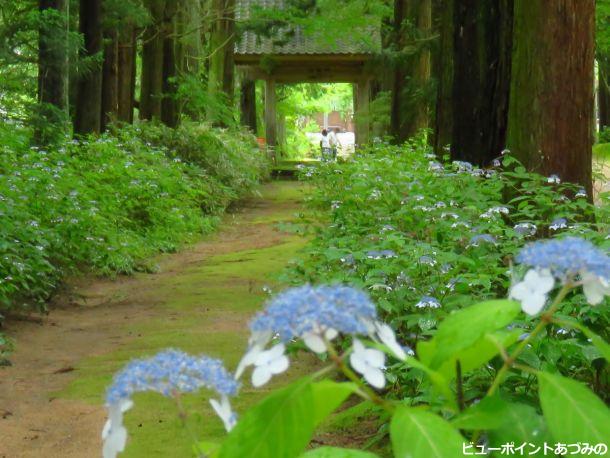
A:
51, 399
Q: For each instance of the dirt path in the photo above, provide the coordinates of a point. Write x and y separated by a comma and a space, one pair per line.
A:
51, 398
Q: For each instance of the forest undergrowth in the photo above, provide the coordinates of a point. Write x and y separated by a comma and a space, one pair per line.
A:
107, 203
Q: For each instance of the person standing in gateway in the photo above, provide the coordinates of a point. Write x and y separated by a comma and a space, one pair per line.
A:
334, 142
325, 146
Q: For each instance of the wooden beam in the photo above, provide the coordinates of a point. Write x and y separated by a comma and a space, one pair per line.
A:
362, 92
270, 117
254, 59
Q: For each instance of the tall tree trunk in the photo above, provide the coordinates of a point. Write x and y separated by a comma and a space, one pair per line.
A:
52, 67
169, 108
481, 83
603, 93
193, 38
89, 99
410, 104
443, 125
551, 100
248, 104
222, 39
127, 73
151, 86
110, 78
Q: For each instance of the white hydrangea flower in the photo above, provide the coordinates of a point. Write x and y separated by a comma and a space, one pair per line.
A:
224, 411
114, 434
369, 363
594, 287
387, 336
268, 363
533, 290
315, 339
257, 346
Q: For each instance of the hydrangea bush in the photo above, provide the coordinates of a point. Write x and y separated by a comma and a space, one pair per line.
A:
466, 372
108, 203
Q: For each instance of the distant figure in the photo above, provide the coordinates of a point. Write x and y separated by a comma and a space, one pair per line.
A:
334, 141
325, 146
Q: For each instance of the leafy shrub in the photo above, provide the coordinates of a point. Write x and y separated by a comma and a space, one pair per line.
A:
427, 238
107, 203
232, 157
604, 135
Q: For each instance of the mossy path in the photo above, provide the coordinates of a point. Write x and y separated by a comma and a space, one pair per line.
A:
51, 399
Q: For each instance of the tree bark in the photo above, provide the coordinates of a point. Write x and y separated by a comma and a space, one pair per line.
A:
110, 79
169, 106
443, 125
89, 99
151, 85
551, 100
52, 66
127, 73
603, 93
248, 104
410, 104
481, 83
222, 38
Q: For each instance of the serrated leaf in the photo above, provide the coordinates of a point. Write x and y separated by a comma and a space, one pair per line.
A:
463, 328
520, 424
415, 433
282, 424
489, 413
572, 412
480, 352
329, 395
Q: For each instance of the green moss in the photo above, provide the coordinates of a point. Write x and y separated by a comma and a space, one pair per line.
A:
203, 309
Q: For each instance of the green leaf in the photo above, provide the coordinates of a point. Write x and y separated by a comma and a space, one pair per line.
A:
572, 412
336, 452
463, 328
480, 352
489, 413
415, 433
596, 340
438, 380
282, 424
329, 395
519, 423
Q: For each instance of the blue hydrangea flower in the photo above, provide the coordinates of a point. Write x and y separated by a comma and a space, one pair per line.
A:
566, 257
434, 166
171, 371
558, 223
525, 229
380, 254
301, 310
482, 238
428, 302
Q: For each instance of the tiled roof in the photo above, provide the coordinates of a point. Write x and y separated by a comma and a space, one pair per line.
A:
296, 44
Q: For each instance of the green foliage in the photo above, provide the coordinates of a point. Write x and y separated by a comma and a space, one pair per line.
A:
418, 433
389, 199
283, 423
334, 452
108, 203
604, 136
572, 412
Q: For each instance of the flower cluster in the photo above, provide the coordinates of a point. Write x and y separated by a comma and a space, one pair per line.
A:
317, 314
170, 372
571, 261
